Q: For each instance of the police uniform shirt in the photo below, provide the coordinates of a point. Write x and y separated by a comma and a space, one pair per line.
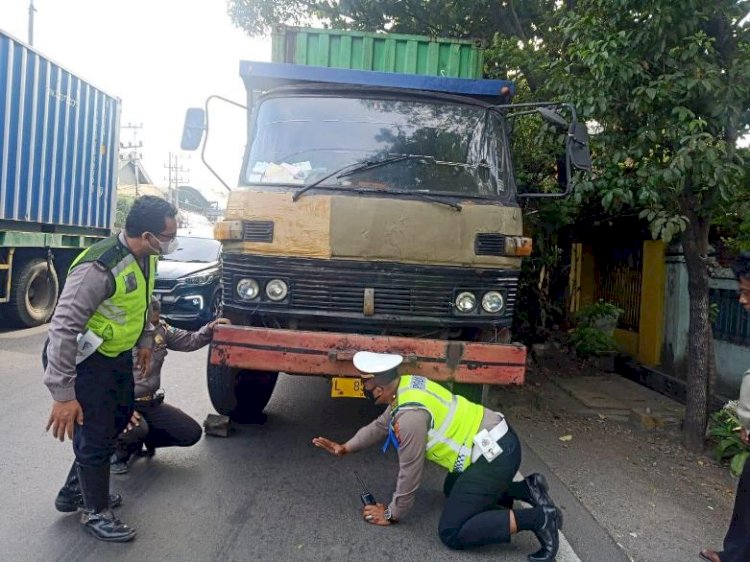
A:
167, 337
87, 286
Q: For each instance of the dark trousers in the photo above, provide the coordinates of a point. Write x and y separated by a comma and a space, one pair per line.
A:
104, 388
161, 425
737, 541
473, 514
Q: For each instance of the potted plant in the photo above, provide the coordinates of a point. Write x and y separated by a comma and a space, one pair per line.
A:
592, 337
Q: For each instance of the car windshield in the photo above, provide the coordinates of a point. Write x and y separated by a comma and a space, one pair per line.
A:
195, 250
436, 146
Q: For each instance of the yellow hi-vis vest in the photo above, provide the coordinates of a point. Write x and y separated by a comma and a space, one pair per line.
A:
120, 319
455, 421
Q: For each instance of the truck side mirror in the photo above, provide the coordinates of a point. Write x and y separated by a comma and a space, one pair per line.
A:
578, 147
553, 117
192, 131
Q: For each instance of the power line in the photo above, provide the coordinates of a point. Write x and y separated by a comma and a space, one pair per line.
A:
134, 157
177, 175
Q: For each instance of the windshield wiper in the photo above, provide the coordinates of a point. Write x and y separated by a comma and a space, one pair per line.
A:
418, 194
423, 195
353, 168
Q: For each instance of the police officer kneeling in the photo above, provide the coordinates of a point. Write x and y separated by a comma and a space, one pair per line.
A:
477, 446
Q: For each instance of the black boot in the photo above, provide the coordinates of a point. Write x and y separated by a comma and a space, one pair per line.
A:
96, 516
70, 499
548, 537
539, 491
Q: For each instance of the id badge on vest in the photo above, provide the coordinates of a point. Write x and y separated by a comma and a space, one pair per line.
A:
131, 282
488, 446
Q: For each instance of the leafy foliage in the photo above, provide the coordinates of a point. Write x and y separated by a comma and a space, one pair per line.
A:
669, 96
593, 334
122, 210
446, 18
725, 427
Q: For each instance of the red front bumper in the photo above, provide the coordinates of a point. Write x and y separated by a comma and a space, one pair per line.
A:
330, 354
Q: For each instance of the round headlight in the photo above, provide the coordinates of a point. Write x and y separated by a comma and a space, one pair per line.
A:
248, 289
277, 290
493, 302
466, 302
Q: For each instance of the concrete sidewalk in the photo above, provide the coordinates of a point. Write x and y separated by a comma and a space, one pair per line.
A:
619, 399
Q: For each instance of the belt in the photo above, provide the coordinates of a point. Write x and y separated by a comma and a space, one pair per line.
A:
496, 433
157, 397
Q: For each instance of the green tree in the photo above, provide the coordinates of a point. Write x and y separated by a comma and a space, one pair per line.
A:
668, 84
121, 211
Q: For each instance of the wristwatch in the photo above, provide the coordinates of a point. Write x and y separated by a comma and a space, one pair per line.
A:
387, 514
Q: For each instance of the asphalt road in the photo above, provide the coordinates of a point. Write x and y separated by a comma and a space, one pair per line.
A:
265, 493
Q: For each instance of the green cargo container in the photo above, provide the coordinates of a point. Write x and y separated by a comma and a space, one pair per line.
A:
391, 52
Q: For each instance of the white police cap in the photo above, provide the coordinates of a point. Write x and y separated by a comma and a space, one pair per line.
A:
371, 364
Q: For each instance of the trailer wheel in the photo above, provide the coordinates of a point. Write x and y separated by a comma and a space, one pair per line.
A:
33, 293
240, 394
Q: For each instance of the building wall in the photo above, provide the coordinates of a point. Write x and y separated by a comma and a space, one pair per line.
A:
643, 339
731, 334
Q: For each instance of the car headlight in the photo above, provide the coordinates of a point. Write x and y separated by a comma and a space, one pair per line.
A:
200, 278
277, 290
466, 302
493, 302
248, 289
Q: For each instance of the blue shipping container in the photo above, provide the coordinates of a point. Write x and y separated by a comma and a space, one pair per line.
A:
59, 140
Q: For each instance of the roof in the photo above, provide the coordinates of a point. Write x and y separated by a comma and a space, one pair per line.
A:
267, 75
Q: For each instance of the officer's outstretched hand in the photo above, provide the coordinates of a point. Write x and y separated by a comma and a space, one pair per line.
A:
63, 418
219, 322
375, 514
143, 360
331, 446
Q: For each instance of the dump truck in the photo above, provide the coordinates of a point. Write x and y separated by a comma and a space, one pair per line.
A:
58, 175
376, 209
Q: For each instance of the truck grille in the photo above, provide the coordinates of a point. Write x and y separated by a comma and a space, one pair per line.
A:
257, 231
338, 286
489, 244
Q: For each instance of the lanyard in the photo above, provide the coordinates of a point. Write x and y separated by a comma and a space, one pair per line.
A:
391, 439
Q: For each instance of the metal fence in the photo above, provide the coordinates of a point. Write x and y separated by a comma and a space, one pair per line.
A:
618, 279
732, 322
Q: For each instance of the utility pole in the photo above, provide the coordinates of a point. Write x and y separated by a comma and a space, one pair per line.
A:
177, 175
134, 157
32, 10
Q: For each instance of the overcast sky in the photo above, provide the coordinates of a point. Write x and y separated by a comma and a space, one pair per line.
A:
159, 57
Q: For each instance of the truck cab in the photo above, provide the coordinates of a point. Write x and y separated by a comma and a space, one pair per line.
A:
374, 211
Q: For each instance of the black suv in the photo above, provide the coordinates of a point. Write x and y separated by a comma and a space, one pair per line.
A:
188, 281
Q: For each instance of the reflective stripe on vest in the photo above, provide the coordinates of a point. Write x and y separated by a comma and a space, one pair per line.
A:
120, 319
453, 425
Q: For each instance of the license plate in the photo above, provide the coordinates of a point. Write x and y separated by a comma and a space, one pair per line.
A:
346, 387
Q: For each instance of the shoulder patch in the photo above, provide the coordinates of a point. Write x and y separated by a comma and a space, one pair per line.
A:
110, 257
418, 383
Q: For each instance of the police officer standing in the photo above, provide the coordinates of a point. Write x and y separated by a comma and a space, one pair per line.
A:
101, 316
477, 446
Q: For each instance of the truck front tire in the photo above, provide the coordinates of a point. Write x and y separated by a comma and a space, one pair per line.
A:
33, 293
241, 394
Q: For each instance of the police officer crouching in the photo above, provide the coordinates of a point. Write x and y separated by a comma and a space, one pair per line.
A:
477, 446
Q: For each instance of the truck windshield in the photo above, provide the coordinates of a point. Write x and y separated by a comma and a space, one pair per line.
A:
434, 147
